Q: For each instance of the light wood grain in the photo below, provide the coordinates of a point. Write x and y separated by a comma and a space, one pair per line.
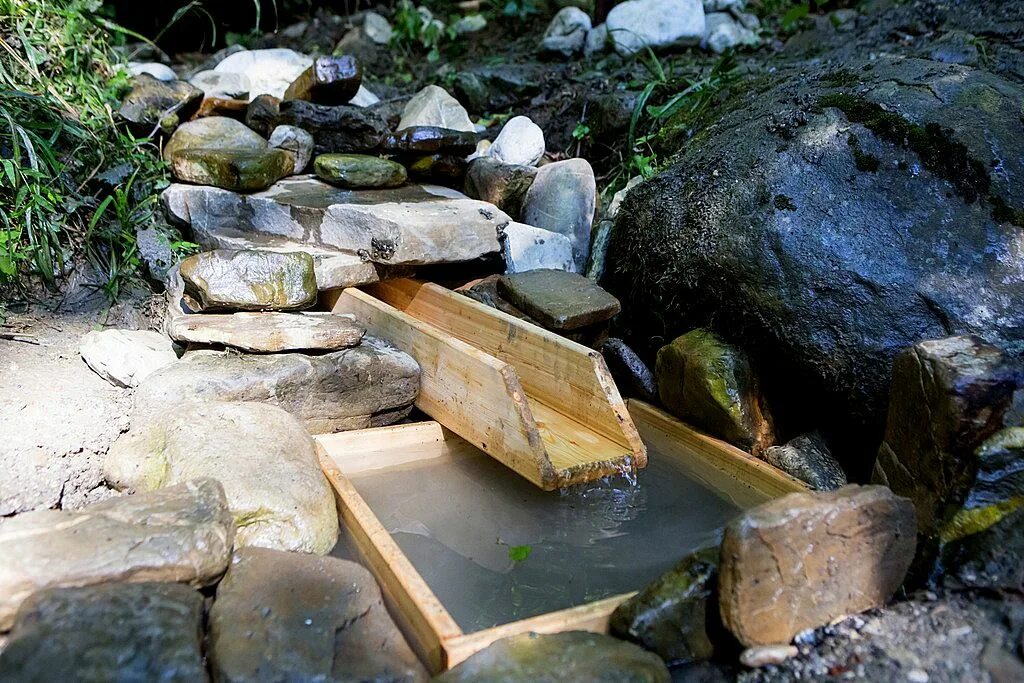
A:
592, 616
739, 476
366, 450
415, 608
472, 393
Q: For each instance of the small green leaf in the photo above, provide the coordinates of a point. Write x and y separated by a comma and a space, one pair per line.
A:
519, 553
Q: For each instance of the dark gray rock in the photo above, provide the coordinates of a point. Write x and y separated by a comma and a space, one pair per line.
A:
117, 631
831, 217
712, 385
343, 128
501, 184
557, 299
559, 657
154, 106
675, 617
498, 87
330, 80
262, 114
370, 385
630, 372
287, 616
808, 458
421, 140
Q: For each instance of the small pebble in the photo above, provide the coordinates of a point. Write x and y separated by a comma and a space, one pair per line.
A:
917, 676
756, 657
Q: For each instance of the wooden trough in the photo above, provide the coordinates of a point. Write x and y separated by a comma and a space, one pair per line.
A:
428, 625
542, 405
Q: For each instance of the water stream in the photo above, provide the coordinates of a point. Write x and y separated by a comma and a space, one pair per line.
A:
495, 549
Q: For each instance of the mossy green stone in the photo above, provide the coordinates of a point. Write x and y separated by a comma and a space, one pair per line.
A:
359, 171
240, 170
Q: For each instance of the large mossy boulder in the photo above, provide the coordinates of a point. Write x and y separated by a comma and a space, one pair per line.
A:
829, 217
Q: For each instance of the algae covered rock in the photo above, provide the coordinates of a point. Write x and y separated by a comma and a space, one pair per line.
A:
286, 616
249, 280
241, 170
711, 384
359, 171
771, 227
559, 657
137, 632
154, 105
213, 132
267, 463
557, 299
677, 615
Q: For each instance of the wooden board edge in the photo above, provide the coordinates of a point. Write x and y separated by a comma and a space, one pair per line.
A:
767, 480
414, 607
592, 616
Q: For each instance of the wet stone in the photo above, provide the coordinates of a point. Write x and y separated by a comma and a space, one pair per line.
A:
222, 106
153, 105
285, 616
709, 383
559, 300
560, 657
430, 140
180, 534
442, 168
137, 632
808, 458
675, 617
213, 132
800, 561
262, 114
268, 332
249, 280
370, 385
359, 171
267, 463
330, 80
630, 372
338, 129
241, 170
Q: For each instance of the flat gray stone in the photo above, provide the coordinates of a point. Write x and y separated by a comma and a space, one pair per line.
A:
370, 385
268, 332
267, 463
559, 300
249, 280
528, 248
126, 357
117, 631
410, 225
284, 616
180, 534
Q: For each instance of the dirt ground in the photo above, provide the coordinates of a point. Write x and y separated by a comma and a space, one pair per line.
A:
57, 417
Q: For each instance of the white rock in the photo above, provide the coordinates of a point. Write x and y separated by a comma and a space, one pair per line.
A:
377, 28
636, 24
597, 40
218, 84
528, 248
126, 357
566, 33
520, 142
270, 71
364, 98
470, 24
563, 198
756, 657
295, 140
433, 106
724, 33
161, 72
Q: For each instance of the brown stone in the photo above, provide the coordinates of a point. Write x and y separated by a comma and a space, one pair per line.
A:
285, 616
800, 561
504, 185
330, 80
222, 106
268, 332
180, 534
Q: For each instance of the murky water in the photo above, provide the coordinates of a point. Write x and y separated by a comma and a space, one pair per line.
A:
462, 520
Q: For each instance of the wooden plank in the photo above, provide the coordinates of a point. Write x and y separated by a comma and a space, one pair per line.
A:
592, 616
743, 478
366, 450
584, 423
418, 612
472, 393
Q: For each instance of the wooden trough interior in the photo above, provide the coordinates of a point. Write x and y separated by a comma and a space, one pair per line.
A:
432, 630
544, 406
